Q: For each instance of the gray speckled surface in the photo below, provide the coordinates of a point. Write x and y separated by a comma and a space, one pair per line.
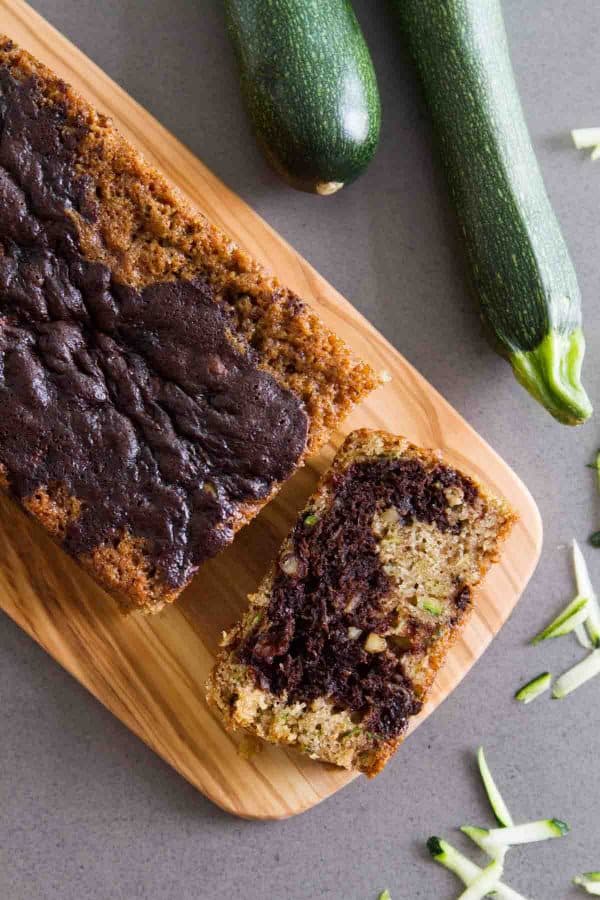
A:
86, 811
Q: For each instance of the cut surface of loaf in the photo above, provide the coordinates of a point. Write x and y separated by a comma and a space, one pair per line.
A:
343, 639
156, 385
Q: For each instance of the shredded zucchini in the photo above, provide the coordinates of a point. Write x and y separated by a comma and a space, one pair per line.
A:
567, 621
570, 680
594, 538
493, 840
590, 882
461, 866
587, 139
584, 138
586, 589
596, 465
534, 688
486, 882
499, 807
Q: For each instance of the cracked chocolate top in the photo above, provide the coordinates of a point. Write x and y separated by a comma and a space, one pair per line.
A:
339, 583
135, 401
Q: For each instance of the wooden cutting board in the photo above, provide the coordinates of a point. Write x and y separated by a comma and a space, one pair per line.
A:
151, 671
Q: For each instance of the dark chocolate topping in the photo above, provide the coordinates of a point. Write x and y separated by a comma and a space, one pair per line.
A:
340, 583
135, 402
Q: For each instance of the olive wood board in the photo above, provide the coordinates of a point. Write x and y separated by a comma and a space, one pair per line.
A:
150, 672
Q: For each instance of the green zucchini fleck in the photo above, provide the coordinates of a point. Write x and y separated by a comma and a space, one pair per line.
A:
433, 607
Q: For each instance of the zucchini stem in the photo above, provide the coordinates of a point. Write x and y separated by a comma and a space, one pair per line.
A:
552, 374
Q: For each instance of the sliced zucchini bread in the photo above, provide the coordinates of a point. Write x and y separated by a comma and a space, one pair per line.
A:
342, 641
157, 387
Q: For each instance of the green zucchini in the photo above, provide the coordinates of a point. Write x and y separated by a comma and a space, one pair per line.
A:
520, 266
309, 86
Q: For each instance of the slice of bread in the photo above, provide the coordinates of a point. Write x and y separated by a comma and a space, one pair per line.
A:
343, 639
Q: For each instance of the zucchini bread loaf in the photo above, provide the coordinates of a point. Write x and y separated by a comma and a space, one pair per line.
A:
344, 636
156, 385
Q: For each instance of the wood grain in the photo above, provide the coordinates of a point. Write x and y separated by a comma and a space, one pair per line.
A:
151, 672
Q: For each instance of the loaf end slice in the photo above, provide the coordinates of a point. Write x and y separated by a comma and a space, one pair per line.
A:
343, 639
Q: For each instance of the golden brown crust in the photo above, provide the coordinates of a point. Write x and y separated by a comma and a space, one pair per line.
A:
54, 509
123, 569
145, 232
316, 730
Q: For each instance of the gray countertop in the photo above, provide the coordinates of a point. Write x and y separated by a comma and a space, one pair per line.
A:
87, 811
